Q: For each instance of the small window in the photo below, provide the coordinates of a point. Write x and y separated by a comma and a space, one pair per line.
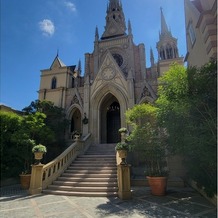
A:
191, 33
53, 83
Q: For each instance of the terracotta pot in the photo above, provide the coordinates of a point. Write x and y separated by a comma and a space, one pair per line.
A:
25, 180
158, 185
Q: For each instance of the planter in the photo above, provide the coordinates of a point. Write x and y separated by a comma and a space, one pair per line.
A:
76, 137
122, 154
158, 185
25, 180
38, 155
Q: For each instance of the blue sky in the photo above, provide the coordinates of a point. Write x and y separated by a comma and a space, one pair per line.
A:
33, 31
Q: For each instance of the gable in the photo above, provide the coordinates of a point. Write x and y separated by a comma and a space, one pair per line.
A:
57, 63
109, 74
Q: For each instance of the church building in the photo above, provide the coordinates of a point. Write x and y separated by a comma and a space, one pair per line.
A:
115, 77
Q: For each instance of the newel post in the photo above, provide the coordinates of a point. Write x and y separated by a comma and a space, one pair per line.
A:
36, 179
124, 189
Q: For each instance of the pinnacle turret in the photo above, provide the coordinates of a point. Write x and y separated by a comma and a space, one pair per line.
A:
115, 20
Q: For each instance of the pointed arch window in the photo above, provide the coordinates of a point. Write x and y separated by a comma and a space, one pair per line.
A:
53, 83
191, 33
162, 54
169, 51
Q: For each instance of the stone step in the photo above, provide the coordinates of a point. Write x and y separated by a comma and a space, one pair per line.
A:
93, 174
92, 164
96, 171
80, 194
96, 157
94, 160
85, 175
79, 179
96, 154
85, 184
83, 189
91, 168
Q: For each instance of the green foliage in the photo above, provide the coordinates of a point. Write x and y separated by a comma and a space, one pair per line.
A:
147, 138
10, 162
187, 109
123, 130
18, 136
122, 146
55, 120
39, 148
140, 114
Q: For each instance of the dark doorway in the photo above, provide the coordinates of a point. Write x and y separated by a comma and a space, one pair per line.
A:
113, 123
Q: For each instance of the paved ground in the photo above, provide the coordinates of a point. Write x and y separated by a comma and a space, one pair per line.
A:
179, 202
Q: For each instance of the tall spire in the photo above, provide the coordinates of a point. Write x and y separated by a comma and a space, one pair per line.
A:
151, 57
96, 34
167, 45
129, 28
79, 68
115, 20
164, 28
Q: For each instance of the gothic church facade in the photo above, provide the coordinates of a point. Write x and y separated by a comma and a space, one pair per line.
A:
115, 78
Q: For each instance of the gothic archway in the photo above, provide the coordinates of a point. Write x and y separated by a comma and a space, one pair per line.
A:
76, 121
110, 120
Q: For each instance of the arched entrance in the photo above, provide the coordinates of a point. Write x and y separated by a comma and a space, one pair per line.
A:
76, 121
113, 122
110, 120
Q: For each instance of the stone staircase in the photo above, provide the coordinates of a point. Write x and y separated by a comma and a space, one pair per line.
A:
92, 174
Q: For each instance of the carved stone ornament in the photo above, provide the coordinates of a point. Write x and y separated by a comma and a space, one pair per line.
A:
108, 73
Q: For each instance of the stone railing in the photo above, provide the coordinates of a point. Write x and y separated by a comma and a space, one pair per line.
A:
44, 175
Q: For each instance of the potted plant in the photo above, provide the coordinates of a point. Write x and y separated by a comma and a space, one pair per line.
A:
156, 165
76, 135
38, 151
26, 156
150, 141
122, 148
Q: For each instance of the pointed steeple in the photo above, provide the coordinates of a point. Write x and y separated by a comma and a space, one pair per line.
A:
96, 34
151, 57
129, 28
164, 28
167, 45
115, 20
79, 69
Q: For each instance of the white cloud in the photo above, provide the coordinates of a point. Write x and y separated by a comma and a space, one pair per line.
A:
47, 27
71, 6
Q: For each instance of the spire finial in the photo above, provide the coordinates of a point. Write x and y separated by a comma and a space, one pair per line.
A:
129, 28
57, 52
164, 28
96, 34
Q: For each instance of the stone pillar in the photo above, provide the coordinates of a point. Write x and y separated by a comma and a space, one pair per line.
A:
123, 173
36, 179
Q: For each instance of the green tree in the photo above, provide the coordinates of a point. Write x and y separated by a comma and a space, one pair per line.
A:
55, 120
147, 138
10, 123
19, 133
187, 109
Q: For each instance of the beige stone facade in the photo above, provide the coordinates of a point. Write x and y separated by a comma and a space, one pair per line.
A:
201, 31
115, 78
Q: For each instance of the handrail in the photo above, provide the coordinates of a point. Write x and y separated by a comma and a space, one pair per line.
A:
52, 170
44, 175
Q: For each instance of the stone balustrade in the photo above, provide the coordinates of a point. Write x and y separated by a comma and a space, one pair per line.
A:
43, 175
